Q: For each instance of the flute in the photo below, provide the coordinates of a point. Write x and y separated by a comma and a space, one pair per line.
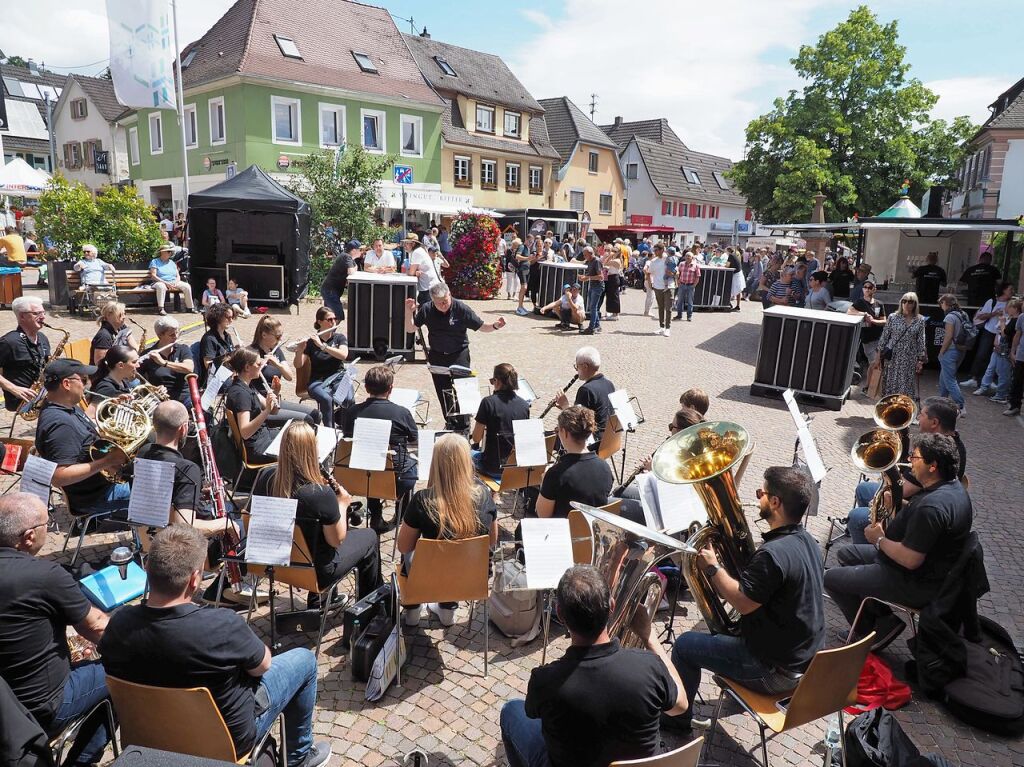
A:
151, 352
567, 387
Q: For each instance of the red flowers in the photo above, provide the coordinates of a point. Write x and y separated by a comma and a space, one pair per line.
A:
474, 269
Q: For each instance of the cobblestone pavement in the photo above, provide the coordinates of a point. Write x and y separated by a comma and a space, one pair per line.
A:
447, 708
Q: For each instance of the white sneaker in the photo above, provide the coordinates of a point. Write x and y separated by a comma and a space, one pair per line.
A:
444, 614
968, 383
982, 391
666, 332
242, 594
659, 331
963, 412
411, 616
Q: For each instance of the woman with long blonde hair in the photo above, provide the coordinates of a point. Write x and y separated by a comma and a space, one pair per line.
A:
901, 349
321, 513
453, 506
114, 331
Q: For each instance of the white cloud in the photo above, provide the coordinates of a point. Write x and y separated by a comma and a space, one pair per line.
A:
701, 65
967, 96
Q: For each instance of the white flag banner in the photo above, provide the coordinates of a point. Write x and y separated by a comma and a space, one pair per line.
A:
142, 52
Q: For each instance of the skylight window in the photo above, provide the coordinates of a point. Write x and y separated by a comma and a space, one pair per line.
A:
288, 47
691, 175
188, 59
365, 62
722, 183
442, 62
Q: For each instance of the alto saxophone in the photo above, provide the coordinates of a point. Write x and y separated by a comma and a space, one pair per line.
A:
29, 411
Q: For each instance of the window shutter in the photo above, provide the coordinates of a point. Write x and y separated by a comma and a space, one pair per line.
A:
67, 160
87, 153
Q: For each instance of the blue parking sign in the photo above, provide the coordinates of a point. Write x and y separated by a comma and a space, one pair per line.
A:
403, 174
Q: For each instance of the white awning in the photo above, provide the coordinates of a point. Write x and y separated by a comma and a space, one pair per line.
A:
424, 198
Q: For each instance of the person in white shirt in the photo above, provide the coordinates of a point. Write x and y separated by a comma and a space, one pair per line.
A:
569, 307
377, 259
93, 271
990, 314
167, 225
431, 239
660, 281
421, 266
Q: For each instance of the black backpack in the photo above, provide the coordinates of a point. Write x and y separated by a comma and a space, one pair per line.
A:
875, 739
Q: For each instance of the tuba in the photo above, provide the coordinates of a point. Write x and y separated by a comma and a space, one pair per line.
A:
125, 425
29, 411
624, 553
884, 451
704, 456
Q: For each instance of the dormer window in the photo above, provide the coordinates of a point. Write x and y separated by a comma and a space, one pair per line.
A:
445, 67
722, 183
365, 63
288, 47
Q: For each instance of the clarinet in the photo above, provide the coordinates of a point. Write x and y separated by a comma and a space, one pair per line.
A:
567, 387
617, 492
354, 517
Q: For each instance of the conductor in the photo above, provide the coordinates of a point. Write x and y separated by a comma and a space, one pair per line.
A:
447, 319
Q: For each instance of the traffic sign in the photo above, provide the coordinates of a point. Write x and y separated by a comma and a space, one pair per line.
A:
403, 174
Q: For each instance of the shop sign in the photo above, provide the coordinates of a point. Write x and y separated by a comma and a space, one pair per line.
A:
635, 219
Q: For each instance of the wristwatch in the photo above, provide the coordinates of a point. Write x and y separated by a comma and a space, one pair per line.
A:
878, 543
710, 570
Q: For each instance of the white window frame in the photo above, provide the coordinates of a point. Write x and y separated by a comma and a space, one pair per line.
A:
519, 176
636, 171
133, 145
519, 123
476, 118
493, 183
339, 114
159, 120
593, 162
418, 122
611, 203
468, 180
189, 113
211, 104
583, 199
381, 129
539, 189
293, 103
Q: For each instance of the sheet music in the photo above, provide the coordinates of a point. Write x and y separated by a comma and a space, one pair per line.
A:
623, 408
680, 506
407, 398
326, 442
438, 370
274, 448
794, 409
370, 439
152, 490
213, 385
528, 435
547, 544
525, 391
37, 477
268, 540
425, 443
467, 392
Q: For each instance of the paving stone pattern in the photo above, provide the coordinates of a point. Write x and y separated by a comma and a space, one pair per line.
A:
448, 709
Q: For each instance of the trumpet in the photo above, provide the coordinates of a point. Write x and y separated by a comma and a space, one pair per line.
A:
568, 386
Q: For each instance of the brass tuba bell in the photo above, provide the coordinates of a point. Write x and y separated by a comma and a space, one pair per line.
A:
883, 450
704, 456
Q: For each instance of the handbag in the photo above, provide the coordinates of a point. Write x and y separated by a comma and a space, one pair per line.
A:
887, 352
875, 375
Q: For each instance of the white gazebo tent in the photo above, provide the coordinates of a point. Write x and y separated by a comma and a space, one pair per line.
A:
19, 179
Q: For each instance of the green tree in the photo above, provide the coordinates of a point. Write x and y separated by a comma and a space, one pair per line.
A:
343, 190
125, 229
66, 214
856, 130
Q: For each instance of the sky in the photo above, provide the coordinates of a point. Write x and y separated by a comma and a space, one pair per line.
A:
709, 67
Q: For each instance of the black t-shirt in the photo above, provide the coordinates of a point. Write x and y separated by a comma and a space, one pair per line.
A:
64, 435
337, 275
600, 704
594, 395
870, 333
841, 283
269, 368
448, 329
584, 478
189, 646
784, 576
106, 337
981, 282
188, 477
21, 361
160, 375
935, 523
496, 413
38, 601
929, 279
108, 387
403, 427
321, 364
243, 398
419, 515
215, 347
594, 271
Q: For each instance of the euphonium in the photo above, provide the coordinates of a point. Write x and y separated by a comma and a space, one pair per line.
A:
703, 456
125, 425
884, 450
624, 553
29, 411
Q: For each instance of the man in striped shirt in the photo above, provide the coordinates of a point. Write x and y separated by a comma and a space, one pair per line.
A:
687, 277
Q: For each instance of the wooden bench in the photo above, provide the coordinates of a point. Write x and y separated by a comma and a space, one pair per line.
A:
129, 284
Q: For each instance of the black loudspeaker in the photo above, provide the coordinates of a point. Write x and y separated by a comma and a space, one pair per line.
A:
136, 756
265, 284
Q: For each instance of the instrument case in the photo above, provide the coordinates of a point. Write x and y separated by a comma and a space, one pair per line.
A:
368, 645
361, 614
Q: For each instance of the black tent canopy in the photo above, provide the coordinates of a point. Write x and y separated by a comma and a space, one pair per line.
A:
253, 228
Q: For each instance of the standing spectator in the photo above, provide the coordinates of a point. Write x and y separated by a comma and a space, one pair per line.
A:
860, 276
990, 314
819, 297
179, 230
657, 270
1017, 360
422, 267
614, 282
873, 313
952, 350
798, 288
785, 291
337, 278
929, 278
510, 269
166, 224
431, 238
594, 275
539, 254
687, 278
758, 262
981, 280
739, 282
443, 243
28, 223
999, 367
841, 278
902, 349
165, 275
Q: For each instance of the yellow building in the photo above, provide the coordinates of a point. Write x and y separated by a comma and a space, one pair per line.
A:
495, 146
589, 178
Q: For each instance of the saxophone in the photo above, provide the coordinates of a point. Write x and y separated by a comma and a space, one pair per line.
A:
29, 411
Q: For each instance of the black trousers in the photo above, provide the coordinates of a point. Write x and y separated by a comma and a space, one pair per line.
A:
359, 549
443, 385
982, 353
1017, 387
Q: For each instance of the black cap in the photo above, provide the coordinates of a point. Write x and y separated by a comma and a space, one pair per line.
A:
60, 369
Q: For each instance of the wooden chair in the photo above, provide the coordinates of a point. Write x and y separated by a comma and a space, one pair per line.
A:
180, 720
247, 464
829, 685
611, 443
685, 756
80, 349
449, 571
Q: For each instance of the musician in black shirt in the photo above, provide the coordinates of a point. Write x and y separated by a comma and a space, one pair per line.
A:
447, 319
593, 394
981, 280
114, 376
114, 331
266, 342
325, 352
216, 343
250, 408
23, 352
778, 596
494, 420
579, 475
168, 362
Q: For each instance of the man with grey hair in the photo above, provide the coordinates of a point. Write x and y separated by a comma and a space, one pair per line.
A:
594, 392
23, 351
447, 319
593, 274
93, 270
171, 642
38, 601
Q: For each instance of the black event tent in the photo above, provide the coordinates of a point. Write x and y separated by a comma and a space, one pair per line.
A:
254, 224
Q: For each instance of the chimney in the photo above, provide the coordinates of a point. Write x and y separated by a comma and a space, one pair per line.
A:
32, 67
425, 34
618, 121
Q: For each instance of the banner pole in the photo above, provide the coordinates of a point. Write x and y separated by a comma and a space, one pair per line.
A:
181, 109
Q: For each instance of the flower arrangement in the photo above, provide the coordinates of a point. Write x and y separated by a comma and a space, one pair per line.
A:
473, 268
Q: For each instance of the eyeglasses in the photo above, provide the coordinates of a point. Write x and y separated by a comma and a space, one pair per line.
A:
916, 456
41, 313
44, 523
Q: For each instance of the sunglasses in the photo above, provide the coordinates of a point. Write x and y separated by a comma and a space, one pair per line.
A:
912, 303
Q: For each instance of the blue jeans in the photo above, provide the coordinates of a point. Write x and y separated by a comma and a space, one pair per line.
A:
594, 304
290, 686
860, 515
478, 464
85, 687
332, 300
684, 298
726, 655
324, 400
948, 385
522, 736
115, 501
999, 372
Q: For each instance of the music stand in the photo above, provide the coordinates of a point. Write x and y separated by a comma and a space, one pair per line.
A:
630, 430
517, 478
